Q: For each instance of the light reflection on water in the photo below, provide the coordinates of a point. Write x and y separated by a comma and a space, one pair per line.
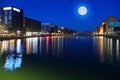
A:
39, 45
14, 51
31, 45
57, 46
13, 61
45, 45
117, 50
108, 49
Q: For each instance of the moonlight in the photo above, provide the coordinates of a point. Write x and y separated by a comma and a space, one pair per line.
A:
82, 10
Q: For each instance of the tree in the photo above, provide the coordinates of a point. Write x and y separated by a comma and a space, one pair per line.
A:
2, 28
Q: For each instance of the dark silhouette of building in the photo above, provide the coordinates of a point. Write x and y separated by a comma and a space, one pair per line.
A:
32, 25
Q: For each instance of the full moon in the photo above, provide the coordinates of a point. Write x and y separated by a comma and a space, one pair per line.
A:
82, 10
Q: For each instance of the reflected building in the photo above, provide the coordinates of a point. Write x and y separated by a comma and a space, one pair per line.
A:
40, 45
28, 45
57, 46
12, 45
19, 47
108, 49
35, 45
47, 44
111, 50
117, 50
13, 61
31, 45
44, 45
101, 48
5, 46
60, 46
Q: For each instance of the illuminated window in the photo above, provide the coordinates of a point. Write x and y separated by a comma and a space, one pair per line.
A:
7, 8
10, 12
5, 12
15, 9
10, 17
5, 20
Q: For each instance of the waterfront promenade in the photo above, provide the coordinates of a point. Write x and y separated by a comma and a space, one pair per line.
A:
21, 37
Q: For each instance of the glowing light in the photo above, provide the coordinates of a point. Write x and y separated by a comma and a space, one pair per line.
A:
18, 46
82, 10
18, 32
15, 9
28, 33
117, 49
59, 31
5, 31
35, 43
7, 8
13, 62
62, 27
101, 30
28, 45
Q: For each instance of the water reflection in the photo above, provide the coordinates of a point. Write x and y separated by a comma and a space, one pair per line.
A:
117, 50
13, 50
57, 46
31, 45
5, 46
40, 46
48, 38
101, 48
108, 49
13, 61
12, 45
49, 45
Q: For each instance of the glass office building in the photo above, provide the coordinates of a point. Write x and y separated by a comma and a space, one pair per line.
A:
114, 24
12, 17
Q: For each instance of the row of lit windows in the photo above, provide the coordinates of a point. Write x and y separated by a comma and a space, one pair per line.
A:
7, 19
10, 13
7, 12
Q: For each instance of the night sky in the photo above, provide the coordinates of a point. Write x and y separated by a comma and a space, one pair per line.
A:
64, 12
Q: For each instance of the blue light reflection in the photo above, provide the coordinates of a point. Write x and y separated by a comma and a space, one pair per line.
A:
13, 61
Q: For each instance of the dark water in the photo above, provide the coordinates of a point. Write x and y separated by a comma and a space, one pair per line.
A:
60, 58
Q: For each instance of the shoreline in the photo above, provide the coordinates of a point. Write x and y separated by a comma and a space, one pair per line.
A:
110, 36
21, 37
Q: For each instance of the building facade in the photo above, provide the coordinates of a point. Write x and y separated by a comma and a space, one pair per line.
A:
109, 30
31, 26
107, 27
12, 18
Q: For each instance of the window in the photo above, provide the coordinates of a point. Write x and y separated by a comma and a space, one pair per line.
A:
5, 12
5, 20
10, 12
10, 17
10, 22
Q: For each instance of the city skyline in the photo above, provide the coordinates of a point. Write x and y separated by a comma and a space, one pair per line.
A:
64, 13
